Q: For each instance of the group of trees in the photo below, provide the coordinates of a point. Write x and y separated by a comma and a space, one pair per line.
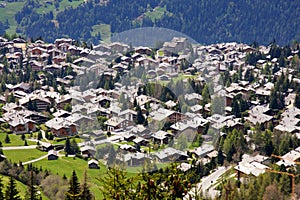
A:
207, 22
152, 183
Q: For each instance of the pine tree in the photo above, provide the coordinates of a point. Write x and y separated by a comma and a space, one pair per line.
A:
140, 119
7, 139
86, 193
31, 193
297, 101
68, 146
11, 192
1, 189
74, 192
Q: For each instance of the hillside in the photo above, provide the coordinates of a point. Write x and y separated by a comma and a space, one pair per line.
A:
205, 21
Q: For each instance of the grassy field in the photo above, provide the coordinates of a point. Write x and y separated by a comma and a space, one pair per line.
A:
8, 13
23, 155
65, 166
15, 140
157, 13
104, 30
46, 8
20, 187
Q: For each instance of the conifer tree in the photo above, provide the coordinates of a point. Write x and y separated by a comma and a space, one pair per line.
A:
7, 139
86, 193
11, 192
74, 192
1, 189
32, 193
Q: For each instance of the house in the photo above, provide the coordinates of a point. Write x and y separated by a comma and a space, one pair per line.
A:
170, 154
166, 115
35, 102
251, 165
93, 164
45, 146
140, 141
133, 159
115, 123
61, 127
189, 126
52, 155
161, 137
257, 115
87, 151
290, 158
128, 114
20, 125
289, 121
203, 150
127, 147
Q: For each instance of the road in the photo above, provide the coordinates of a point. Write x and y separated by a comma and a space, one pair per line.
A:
19, 147
35, 160
207, 184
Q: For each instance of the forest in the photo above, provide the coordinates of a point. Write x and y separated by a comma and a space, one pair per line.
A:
205, 21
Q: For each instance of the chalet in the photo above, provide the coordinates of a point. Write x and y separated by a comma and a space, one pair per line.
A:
35, 65
290, 158
133, 159
87, 151
61, 127
52, 68
257, 115
203, 150
25, 87
52, 155
57, 42
189, 126
128, 114
170, 154
21, 125
251, 166
93, 164
115, 123
167, 115
128, 148
45, 146
35, 102
79, 119
143, 50
162, 137
141, 141
289, 121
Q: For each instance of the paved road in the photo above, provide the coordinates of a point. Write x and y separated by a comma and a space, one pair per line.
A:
207, 184
19, 147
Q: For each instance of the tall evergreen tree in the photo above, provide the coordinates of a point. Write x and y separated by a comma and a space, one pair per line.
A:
11, 192
31, 193
140, 119
297, 101
74, 192
1, 189
86, 193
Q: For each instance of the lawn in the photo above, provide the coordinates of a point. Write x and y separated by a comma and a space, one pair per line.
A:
104, 30
65, 166
46, 7
20, 187
23, 155
157, 13
15, 140
9, 13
